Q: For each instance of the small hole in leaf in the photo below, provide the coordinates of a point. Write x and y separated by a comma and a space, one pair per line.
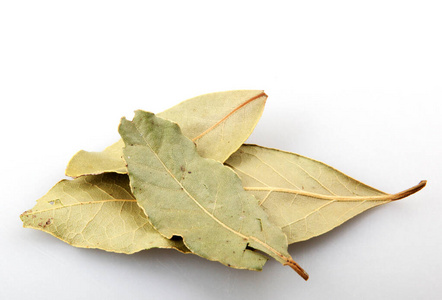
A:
249, 248
176, 238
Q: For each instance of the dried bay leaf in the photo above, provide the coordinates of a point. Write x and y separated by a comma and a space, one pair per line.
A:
96, 211
218, 123
303, 196
93, 163
196, 198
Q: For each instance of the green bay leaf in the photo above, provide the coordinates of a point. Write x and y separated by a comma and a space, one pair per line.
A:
304, 197
217, 122
96, 212
199, 199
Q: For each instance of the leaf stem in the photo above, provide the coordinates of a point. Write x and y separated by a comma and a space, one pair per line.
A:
288, 261
292, 264
409, 191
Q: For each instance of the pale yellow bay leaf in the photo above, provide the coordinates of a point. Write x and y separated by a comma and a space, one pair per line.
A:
199, 199
304, 197
218, 123
96, 211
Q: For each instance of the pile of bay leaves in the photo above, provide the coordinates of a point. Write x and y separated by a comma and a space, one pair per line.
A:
183, 179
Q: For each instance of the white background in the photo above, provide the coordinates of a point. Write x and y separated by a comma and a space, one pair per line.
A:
355, 84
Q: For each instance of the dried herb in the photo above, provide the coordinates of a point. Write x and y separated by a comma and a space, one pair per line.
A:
96, 211
199, 199
303, 196
173, 191
218, 123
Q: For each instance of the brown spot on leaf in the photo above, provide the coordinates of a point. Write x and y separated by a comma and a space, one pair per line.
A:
26, 212
45, 224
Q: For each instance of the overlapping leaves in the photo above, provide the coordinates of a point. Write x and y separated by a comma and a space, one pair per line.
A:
181, 196
218, 123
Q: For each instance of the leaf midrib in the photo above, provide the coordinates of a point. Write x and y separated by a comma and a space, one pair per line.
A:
385, 197
78, 204
288, 261
335, 198
262, 94
186, 191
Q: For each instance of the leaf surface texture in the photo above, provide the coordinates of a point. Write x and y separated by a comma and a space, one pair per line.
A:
303, 196
96, 212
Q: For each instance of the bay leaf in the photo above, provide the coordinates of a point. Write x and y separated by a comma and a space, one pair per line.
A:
304, 197
218, 123
199, 199
96, 212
